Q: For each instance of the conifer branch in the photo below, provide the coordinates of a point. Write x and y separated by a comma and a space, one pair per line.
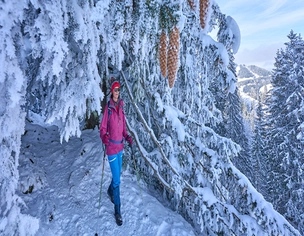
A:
145, 154
148, 129
152, 135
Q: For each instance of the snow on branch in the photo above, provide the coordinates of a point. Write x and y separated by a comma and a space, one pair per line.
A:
150, 131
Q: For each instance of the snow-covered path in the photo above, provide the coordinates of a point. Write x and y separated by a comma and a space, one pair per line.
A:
66, 184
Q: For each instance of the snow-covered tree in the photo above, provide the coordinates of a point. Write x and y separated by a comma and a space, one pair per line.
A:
172, 127
235, 129
12, 119
232, 124
286, 133
63, 41
260, 168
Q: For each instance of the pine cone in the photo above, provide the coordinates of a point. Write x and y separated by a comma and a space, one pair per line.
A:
203, 12
191, 3
163, 53
173, 54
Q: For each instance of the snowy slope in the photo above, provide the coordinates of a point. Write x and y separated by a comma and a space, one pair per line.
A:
250, 77
250, 80
60, 185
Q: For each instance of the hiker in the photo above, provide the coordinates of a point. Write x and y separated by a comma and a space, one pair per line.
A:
113, 132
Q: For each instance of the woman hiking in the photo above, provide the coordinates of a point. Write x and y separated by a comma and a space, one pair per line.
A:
113, 132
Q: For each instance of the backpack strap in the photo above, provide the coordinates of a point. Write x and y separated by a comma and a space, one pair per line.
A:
109, 110
109, 115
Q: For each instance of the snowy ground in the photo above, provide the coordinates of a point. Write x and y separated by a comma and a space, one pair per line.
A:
60, 185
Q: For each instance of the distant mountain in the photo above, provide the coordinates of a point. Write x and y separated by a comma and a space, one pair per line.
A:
259, 71
251, 79
243, 72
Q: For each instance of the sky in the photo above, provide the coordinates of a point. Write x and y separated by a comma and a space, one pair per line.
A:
264, 26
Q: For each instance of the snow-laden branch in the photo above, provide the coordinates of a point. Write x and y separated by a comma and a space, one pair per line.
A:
149, 130
145, 155
228, 215
152, 135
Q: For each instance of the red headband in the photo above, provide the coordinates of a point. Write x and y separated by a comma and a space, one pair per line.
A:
115, 85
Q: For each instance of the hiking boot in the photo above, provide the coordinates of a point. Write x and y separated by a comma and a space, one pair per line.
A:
117, 214
118, 219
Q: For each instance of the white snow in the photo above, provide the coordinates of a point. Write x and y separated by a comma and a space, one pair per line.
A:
235, 34
66, 179
172, 115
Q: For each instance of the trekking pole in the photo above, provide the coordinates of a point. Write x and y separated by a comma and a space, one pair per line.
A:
102, 174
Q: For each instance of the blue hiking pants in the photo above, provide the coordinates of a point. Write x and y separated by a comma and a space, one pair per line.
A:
115, 162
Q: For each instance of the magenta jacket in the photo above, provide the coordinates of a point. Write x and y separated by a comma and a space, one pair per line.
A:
115, 127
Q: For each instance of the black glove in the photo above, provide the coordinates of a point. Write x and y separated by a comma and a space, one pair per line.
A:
105, 139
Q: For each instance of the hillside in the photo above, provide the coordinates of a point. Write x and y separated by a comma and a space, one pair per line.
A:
252, 78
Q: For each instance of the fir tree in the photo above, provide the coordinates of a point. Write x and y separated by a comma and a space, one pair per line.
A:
232, 124
12, 118
285, 145
235, 130
257, 151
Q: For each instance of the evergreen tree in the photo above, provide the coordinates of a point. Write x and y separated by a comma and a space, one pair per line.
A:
232, 123
285, 138
237, 132
64, 43
257, 151
12, 92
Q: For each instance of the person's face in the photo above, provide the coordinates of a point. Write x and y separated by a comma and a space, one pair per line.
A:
116, 92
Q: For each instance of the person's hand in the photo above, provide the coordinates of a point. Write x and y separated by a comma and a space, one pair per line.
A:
105, 139
129, 140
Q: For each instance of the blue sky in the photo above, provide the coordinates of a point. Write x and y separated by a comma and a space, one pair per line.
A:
264, 26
